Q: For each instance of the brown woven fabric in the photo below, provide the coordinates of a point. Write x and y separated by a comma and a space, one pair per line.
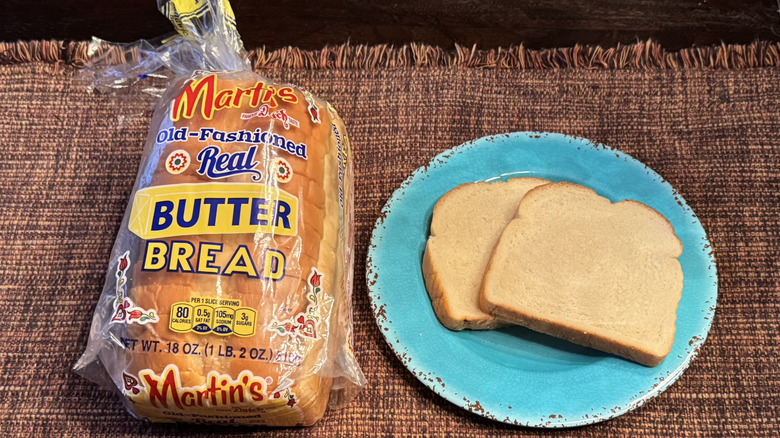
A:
645, 55
68, 160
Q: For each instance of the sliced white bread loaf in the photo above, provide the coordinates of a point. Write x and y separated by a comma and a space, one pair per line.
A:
576, 266
466, 224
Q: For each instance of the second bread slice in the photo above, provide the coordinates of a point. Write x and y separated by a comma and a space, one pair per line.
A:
466, 224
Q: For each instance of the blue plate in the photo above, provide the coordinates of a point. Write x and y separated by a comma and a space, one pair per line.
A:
516, 375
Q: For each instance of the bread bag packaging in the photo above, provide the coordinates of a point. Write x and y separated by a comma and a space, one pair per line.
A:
228, 294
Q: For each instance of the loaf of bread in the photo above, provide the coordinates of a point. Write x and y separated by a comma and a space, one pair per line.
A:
229, 289
576, 266
231, 302
465, 227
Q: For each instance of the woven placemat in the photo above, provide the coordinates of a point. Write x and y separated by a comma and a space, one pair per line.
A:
707, 120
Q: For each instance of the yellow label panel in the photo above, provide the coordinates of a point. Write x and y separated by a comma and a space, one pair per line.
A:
213, 315
213, 208
204, 315
224, 316
181, 317
245, 322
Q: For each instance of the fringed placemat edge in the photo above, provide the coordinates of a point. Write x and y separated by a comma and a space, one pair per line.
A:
643, 55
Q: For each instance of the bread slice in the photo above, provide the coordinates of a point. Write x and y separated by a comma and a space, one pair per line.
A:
466, 224
576, 266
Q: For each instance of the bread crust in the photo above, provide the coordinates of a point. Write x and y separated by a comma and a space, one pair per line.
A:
570, 333
442, 306
441, 299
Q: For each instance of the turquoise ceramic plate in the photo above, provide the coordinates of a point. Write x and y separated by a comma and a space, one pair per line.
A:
516, 375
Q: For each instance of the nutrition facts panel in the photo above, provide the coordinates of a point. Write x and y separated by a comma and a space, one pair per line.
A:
213, 315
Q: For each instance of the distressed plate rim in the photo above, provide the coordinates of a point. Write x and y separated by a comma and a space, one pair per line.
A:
412, 360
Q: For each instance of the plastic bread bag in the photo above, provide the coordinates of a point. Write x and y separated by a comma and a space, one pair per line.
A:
228, 294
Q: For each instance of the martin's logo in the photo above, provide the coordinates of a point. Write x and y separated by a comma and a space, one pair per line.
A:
165, 391
216, 164
206, 92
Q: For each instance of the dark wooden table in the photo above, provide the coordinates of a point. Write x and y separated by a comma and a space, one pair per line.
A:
487, 23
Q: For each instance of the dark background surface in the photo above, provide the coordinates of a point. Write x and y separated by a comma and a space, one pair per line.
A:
487, 23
